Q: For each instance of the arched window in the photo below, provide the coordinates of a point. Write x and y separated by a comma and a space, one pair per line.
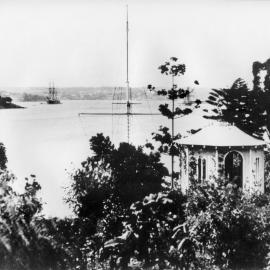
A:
234, 168
199, 170
204, 169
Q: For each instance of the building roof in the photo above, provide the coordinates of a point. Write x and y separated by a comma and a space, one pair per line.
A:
221, 135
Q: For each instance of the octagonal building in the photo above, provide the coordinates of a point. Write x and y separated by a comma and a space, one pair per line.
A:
223, 150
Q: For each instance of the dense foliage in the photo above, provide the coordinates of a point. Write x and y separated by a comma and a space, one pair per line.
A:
228, 229
106, 185
25, 239
147, 235
25, 242
114, 172
248, 110
215, 227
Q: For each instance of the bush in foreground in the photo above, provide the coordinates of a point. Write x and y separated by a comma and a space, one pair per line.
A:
215, 227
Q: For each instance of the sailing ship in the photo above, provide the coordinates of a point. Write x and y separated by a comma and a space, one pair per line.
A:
52, 98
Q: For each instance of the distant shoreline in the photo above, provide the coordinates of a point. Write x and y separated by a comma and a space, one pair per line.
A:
90, 93
11, 106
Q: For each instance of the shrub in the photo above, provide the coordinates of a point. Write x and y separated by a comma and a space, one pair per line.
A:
228, 229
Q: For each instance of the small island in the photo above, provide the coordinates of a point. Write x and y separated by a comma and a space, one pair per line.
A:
6, 103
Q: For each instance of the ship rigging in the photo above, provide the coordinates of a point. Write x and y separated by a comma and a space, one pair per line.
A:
52, 98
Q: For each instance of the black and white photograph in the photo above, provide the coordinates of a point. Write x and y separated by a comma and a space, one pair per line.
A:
134, 135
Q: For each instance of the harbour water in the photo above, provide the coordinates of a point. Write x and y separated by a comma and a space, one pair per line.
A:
51, 141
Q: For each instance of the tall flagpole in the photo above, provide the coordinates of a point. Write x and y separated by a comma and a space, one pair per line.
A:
128, 97
128, 103
128, 89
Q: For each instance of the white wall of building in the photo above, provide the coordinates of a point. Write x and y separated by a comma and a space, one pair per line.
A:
253, 165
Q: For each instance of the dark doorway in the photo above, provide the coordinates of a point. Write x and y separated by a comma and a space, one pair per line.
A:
234, 168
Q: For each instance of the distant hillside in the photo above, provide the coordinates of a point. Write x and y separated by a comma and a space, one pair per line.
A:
33, 97
91, 93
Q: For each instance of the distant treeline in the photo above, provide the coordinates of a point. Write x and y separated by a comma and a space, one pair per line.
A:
101, 93
94, 93
33, 97
84, 93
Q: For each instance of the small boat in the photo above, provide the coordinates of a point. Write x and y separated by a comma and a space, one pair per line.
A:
52, 98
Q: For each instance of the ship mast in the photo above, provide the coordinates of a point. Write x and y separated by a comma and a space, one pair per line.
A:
50, 89
53, 91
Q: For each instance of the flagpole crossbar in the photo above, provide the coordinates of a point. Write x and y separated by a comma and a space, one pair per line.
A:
111, 114
125, 103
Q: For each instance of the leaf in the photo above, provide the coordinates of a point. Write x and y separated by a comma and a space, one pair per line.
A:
180, 245
111, 243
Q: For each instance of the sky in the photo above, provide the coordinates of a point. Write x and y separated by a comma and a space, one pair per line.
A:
83, 42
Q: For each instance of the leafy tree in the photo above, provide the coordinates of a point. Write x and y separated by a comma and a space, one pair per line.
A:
108, 182
247, 109
126, 173
24, 239
166, 138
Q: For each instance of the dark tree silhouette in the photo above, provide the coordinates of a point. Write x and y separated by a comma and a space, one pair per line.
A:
124, 174
248, 110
